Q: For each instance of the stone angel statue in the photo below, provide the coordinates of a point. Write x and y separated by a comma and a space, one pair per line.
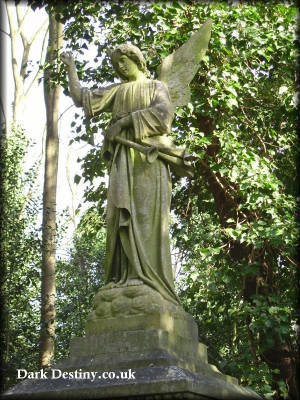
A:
139, 154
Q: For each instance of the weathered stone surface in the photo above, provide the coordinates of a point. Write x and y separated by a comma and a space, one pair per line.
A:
178, 69
137, 308
140, 348
161, 347
136, 349
167, 364
130, 300
139, 190
159, 383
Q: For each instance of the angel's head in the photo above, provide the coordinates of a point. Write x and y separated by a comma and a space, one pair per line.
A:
128, 61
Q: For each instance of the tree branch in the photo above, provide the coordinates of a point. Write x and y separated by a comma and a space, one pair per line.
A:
34, 36
21, 21
23, 66
20, 25
13, 35
40, 71
256, 134
1, 30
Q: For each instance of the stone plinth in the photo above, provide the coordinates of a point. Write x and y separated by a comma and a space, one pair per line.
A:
137, 308
151, 383
137, 348
155, 340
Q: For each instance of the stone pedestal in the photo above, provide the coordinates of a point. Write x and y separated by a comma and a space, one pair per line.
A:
138, 346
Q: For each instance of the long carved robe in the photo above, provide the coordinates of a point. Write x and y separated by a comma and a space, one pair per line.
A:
139, 193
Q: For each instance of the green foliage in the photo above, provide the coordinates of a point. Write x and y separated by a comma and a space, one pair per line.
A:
236, 223
21, 245
78, 276
78, 279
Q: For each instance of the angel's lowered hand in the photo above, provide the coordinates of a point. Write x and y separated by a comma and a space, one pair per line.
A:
112, 131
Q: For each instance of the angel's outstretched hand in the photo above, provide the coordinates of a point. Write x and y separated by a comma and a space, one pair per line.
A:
67, 58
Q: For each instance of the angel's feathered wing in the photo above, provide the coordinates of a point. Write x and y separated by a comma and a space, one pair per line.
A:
179, 68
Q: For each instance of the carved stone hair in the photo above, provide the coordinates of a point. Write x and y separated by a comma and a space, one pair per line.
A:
132, 52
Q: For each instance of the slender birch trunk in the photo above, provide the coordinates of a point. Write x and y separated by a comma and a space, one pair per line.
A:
48, 289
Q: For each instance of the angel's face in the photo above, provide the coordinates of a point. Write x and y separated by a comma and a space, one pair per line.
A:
128, 68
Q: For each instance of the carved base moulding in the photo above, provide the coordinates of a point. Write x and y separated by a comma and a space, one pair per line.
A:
135, 329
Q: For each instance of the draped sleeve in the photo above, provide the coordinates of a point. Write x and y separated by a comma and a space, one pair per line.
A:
98, 100
157, 118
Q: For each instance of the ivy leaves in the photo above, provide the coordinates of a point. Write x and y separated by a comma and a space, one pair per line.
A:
236, 223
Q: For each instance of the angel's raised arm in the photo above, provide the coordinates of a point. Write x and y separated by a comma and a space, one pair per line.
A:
74, 83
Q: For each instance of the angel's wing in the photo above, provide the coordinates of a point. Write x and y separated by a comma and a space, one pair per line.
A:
179, 68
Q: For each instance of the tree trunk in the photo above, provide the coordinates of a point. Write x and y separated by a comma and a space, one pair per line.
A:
48, 290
